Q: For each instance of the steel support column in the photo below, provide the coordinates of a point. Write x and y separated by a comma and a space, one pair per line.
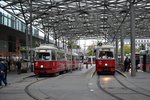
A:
132, 23
116, 56
122, 45
30, 20
27, 42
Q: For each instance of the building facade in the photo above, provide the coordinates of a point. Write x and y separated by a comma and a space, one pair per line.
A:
139, 42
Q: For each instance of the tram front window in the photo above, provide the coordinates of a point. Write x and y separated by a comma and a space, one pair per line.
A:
106, 54
43, 56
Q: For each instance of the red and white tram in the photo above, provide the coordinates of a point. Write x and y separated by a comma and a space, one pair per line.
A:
50, 60
75, 61
145, 60
105, 61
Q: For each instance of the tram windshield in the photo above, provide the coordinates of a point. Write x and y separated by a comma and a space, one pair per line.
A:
42, 56
106, 54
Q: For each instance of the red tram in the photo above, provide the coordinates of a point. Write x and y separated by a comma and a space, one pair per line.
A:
145, 60
105, 61
50, 60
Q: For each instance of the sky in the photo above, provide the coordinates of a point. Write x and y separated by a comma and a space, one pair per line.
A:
85, 43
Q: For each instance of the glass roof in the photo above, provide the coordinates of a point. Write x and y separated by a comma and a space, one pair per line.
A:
83, 18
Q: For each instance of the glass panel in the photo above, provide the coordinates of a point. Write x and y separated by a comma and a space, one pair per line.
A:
42, 56
3, 46
106, 54
68, 57
1, 18
5, 20
53, 55
60, 56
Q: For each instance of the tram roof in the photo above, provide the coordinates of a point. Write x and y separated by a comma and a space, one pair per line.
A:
106, 46
46, 47
78, 19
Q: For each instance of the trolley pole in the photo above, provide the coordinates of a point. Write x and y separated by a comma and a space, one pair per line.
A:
132, 23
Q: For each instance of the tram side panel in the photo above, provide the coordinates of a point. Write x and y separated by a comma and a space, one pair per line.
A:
49, 67
145, 61
75, 62
45, 67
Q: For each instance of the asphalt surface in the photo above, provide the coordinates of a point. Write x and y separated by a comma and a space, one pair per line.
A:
78, 85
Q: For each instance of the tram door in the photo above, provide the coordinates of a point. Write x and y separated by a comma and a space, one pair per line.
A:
144, 63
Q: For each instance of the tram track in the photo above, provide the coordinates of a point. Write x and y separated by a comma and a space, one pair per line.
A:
107, 92
44, 95
131, 88
122, 86
27, 90
29, 93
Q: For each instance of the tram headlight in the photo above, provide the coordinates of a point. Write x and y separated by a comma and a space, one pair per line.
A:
42, 66
106, 64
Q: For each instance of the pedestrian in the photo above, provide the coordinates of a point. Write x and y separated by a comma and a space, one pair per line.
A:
127, 62
86, 65
8, 63
2, 73
5, 65
18, 63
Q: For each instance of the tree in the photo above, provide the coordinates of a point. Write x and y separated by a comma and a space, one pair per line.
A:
73, 44
142, 47
90, 50
127, 49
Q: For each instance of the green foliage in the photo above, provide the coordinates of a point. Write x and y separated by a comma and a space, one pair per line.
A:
127, 49
90, 50
142, 47
74, 45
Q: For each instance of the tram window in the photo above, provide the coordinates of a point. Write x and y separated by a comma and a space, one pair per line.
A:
68, 57
60, 56
109, 54
43, 56
53, 55
73, 58
106, 54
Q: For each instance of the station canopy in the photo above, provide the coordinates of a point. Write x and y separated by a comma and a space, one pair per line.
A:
82, 19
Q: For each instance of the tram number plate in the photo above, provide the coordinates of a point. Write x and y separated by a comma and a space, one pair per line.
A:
105, 69
42, 71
